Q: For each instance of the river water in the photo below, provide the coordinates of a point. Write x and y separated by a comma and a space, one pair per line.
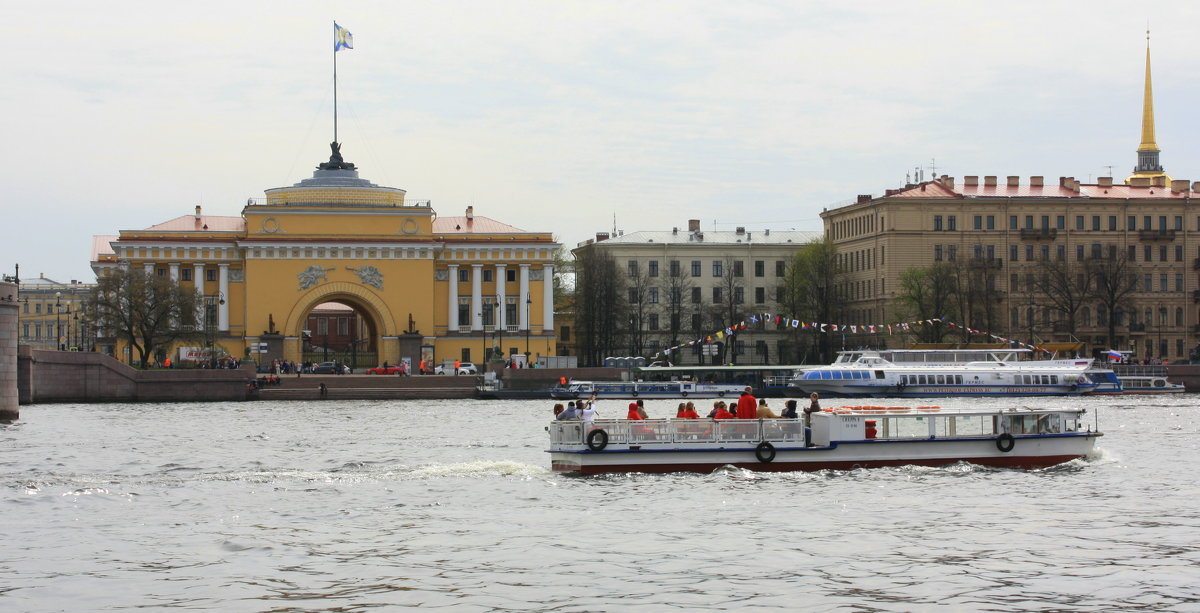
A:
356, 506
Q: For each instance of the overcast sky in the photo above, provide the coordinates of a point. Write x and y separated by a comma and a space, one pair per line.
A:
559, 115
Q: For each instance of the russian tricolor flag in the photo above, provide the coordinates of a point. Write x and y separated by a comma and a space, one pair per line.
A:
1114, 355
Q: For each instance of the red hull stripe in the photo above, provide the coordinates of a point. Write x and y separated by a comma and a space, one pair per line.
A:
708, 467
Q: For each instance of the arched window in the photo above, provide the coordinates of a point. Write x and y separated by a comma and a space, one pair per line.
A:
1085, 317
1162, 316
1119, 316
1101, 315
1179, 316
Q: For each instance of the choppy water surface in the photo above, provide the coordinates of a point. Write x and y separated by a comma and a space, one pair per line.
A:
311, 506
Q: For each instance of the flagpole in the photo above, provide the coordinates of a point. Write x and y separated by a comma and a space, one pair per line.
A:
335, 50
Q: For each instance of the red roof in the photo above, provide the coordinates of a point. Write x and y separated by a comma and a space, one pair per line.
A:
935, 189
203, 223
477, 225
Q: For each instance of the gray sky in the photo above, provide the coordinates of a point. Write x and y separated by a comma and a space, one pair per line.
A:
556, 116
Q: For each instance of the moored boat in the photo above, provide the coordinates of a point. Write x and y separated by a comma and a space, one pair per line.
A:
1136, 379
645, 389
916, 373
841, 439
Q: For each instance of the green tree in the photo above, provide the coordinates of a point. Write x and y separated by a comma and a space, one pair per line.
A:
146, 310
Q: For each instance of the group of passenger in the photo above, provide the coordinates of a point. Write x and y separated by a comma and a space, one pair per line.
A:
584, 410
747, 407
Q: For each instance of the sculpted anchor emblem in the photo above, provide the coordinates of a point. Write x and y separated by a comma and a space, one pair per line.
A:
369, 275
312, 276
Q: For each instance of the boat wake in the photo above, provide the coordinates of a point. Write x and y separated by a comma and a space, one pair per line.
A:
500, 468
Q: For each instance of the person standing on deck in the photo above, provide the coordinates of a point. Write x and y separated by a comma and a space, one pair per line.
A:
747, 405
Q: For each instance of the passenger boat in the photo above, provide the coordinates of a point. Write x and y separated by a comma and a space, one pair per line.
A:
1137, 379
916, 373
646, 389
841, 439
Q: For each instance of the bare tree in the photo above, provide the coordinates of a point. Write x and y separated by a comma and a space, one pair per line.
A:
638, 308
811, 290
678, 287
929, 293
728, 304
598, 305
1064, 289
146, 310
1114, 282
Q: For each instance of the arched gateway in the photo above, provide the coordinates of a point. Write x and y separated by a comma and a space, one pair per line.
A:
432, 287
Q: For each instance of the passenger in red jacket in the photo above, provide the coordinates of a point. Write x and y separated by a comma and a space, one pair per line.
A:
747, 406
634, 413
719, 412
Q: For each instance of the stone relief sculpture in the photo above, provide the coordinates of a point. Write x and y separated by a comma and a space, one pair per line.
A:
369, 275
312, 276
537, 274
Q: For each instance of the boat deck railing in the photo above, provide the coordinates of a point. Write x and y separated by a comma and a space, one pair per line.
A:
674, 431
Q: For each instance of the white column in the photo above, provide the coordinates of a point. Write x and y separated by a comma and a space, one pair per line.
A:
548, 298
198, 277
149, 266
174, 271
500, 298
476, 296
223, 309
452, 313
524, 296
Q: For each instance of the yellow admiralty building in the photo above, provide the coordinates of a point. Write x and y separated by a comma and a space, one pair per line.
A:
421, 287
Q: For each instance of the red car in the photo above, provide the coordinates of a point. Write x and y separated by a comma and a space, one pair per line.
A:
384, 370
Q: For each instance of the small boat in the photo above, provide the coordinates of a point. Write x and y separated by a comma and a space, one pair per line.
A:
917, 373
646, 389
844, 438
1138, 379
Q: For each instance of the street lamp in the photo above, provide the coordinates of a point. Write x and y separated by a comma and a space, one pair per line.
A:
75, 317
498, 321
57, 319
483, 345
528, 325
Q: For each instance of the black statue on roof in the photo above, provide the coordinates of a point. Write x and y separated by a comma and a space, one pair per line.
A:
335, 159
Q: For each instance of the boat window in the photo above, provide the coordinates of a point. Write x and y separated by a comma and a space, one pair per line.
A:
958, 379
921, 378
1053, 379
879, 374
941, 379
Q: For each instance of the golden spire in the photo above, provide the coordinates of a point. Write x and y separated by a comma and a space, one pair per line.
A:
1148, 143
1148, 170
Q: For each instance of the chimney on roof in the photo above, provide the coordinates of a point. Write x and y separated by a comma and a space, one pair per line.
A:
1013, 181
948, 181
766, 232
741, 229
1104, 181
971, 180
197, 212
470, 213
989, 180
1179, 185
1036, 181
1196, 186
1139, 181
864, 198
1160, 181
693, 225
601, 236
674, 231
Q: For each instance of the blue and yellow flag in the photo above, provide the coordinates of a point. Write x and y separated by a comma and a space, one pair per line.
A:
342, 39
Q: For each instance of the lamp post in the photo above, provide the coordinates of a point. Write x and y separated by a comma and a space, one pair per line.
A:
497, 320
78, 341
57, 319
483, 345
528, 325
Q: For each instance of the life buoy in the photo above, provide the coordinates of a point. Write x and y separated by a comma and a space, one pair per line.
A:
721, 394
635, 393
597, 439
684, 394
765, 452
1005, 442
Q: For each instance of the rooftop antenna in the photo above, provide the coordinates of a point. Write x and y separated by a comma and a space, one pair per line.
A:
1109, 167
614, 232
933, 167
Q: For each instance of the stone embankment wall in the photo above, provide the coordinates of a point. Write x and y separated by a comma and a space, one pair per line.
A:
542, 378
370, 387
8, 352
1187, 374
69, 376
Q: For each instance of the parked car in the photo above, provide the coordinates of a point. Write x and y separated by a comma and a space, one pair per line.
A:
464, 368
390, 369
330, 368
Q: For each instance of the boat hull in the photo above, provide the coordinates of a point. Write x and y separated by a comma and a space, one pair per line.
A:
1035, 451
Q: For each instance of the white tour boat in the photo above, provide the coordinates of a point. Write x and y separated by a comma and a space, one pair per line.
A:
917, 373
1139, 379
646, 389
841, 439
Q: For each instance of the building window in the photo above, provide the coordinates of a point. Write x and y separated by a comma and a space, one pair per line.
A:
464, 311
1045, 222
696, 322
760, 268
937, 253
1133, 253
1178, 282
1079, 222
695, 268
1112, 222
937, 222
674, 268
633, 296
1147, 253
1012, 253
653, 295
1162, 282
185, 274
1028, 253
633, 268
1131, 223
1060, 222
1061, 253
1178, 253
1146, 225
952, 223
510, 275
564, 334
1014, 283
780, 268
676, 295
1029, 222
344, 326
1147, 283
1162, 253
1045, 252
1095, 222
1012, 222
487, 275
654, 321
210, 275
1079, 252
716, 295
952, 251
760, 295
739, 268
718, 268
652, 268
37, 309
739, 295
1162, 223
978, 222
322, 326
695, 295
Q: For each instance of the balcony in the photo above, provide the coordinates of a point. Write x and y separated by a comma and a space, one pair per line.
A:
1137, 327
1156, 235
1033, 234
